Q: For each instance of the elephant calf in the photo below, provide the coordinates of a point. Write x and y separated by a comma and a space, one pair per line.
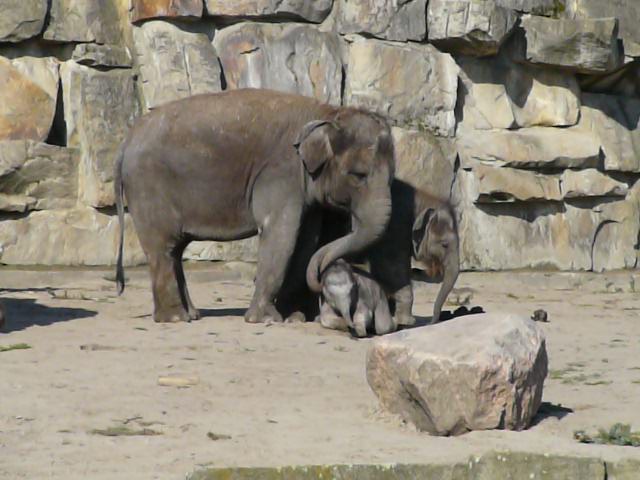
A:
345, 290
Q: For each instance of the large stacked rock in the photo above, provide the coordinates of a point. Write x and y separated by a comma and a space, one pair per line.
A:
526, 112
472, 373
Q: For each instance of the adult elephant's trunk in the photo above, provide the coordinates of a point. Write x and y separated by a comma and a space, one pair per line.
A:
451, 266
369, 223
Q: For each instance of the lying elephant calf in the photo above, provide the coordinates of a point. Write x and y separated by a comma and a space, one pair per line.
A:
345, 290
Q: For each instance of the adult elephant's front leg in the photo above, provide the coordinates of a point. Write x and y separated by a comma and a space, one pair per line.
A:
278, 234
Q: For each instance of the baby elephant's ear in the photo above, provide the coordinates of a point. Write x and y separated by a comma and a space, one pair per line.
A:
314, 145
419, 233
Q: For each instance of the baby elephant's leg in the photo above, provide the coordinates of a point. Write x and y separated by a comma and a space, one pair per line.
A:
384, 321
329, 319
404, 304
362, 320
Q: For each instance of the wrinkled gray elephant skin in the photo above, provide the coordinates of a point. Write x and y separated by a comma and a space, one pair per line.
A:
421, 226
230, 165
352, 300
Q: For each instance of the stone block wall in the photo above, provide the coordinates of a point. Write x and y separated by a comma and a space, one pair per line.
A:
526, 113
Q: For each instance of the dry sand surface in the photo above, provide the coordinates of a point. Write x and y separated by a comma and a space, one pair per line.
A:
273, 395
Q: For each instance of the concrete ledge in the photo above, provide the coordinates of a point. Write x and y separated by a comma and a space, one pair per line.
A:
491, 466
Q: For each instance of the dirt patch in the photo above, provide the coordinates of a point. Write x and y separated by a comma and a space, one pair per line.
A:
275, 395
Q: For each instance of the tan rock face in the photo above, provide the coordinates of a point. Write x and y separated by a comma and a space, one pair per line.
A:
587, 46
94, 55
590, 183
83, 21
290, 58
81, 236
241, 250
501, 94
36, 176
424, 160
100, 107
145, 9
413, 85
311, 10
174, 63
475, 372
614, 122
509, 185
28, 97
21, 19
387, 19
469, 27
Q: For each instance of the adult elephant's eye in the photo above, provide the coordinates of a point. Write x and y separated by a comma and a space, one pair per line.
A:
360, 176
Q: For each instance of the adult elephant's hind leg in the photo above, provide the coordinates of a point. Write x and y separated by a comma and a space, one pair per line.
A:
168, 304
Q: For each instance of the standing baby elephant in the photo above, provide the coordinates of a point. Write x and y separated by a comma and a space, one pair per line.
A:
229, 165
352, 300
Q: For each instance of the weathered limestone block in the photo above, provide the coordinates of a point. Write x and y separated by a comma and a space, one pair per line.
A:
524, 465
471, 373
240, 250
174, 63
586, 46
94, 55
311, 10
413, 85
399, 20
81, 236
590, 183
625, 81
615, 123
145, 9
497, 184
623, 470
84, 21
626, 11
469, 27
37, 176
535, 7
569, 236
21, 19
291, 58
424, 160
100, 107
530, 148
502, 94
28, 97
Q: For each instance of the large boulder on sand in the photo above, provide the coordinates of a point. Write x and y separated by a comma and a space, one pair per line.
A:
475, 372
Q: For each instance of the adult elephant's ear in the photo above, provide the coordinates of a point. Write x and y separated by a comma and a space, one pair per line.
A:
419, 231
314, 145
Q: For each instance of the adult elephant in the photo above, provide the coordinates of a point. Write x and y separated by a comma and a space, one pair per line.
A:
226, 166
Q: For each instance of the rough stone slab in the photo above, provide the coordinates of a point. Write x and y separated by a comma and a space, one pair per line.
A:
535, 7
388, 19
501, 94
626, 11
510, 185
488, 466
469, 27
22, 19
28, 97
413, 85
311, 10
615, 123
94, 55
586, 46
530, 148
597, 235
145, 9
81, 236
99, 108
424, 160
174, 63
240, 250
291, 58
590, 183
83, 21
475, 372
37, 176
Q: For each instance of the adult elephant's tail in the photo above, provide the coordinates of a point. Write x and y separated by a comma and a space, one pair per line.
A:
119, 191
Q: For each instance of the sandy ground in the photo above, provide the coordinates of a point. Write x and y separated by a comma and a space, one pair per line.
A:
273, 395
